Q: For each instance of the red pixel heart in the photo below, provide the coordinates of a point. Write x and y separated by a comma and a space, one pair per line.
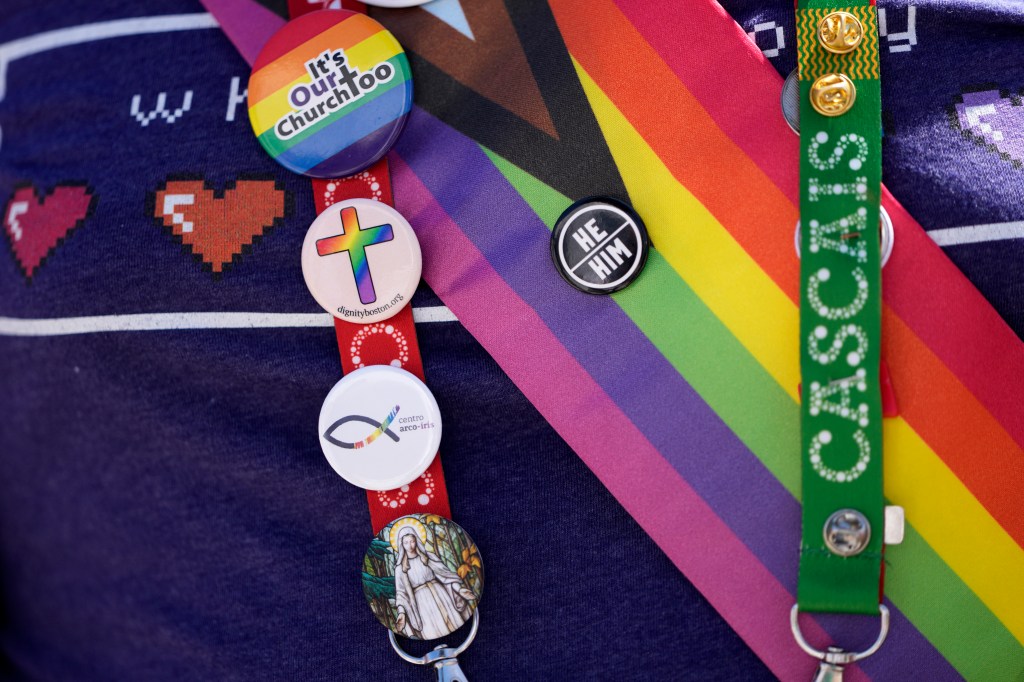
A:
36, 226
218, 227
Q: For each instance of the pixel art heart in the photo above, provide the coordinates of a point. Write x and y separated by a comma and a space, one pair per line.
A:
996, 120
219, 227
36, 225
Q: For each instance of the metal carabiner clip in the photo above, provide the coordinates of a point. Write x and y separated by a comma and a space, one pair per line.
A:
834, 659
444, 659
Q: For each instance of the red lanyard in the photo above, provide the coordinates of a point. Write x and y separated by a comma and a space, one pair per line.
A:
391, 342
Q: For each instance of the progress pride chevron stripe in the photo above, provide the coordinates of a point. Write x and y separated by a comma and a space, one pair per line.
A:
930, 294
629, 369
933, 386
739, 389
740, 293
955, 321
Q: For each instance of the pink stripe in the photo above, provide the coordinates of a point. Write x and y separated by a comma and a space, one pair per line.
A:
697, 541
247, 23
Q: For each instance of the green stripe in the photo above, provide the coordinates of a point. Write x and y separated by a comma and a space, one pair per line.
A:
760, 412
270, 140
743, 395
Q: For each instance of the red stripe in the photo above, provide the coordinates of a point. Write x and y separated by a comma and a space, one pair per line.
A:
297, 35
950, 315
707, 69
922, 285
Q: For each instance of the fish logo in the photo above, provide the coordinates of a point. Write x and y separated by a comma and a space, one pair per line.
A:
380, 428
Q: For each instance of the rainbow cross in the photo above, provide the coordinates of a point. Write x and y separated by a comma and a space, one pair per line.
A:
355, 240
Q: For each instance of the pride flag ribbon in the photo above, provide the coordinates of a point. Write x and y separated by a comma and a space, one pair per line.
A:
712, 470
840, 308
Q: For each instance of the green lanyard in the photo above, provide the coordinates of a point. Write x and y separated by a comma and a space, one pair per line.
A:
840, 314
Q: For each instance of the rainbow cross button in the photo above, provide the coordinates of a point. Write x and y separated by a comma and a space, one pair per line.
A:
329, 93
361, 261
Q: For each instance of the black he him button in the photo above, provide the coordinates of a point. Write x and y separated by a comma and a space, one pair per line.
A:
599, 245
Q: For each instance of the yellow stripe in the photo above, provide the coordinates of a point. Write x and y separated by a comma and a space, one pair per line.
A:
703, 252
363, 56
954, 523
766, 322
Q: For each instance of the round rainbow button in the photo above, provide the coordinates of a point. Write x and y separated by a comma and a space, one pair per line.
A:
329, 93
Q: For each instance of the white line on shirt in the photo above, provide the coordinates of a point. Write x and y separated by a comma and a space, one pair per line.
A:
102, 30
951, 236
64, 326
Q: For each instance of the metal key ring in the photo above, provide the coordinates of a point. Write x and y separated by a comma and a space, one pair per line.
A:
834, 656
441, 652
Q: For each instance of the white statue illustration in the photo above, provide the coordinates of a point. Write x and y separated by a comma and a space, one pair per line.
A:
432, 600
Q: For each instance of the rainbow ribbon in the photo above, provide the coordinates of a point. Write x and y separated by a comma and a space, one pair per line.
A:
682, 395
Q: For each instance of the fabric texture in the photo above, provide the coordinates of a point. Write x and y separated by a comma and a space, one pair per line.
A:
840, 315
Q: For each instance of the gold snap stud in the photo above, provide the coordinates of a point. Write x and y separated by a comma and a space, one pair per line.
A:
840, 32
833, 94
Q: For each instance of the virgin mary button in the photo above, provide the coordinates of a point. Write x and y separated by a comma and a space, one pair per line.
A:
423, 576
329, 93
361, 261
599, 245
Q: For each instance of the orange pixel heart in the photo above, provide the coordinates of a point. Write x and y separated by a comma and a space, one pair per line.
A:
219, 227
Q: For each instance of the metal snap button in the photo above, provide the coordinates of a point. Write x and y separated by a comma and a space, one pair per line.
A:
790, 100
847, 532
886, 233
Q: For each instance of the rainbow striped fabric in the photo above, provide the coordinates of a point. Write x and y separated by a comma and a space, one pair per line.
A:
681, 392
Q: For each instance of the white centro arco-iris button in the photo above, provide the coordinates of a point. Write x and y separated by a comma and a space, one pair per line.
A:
380, 427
